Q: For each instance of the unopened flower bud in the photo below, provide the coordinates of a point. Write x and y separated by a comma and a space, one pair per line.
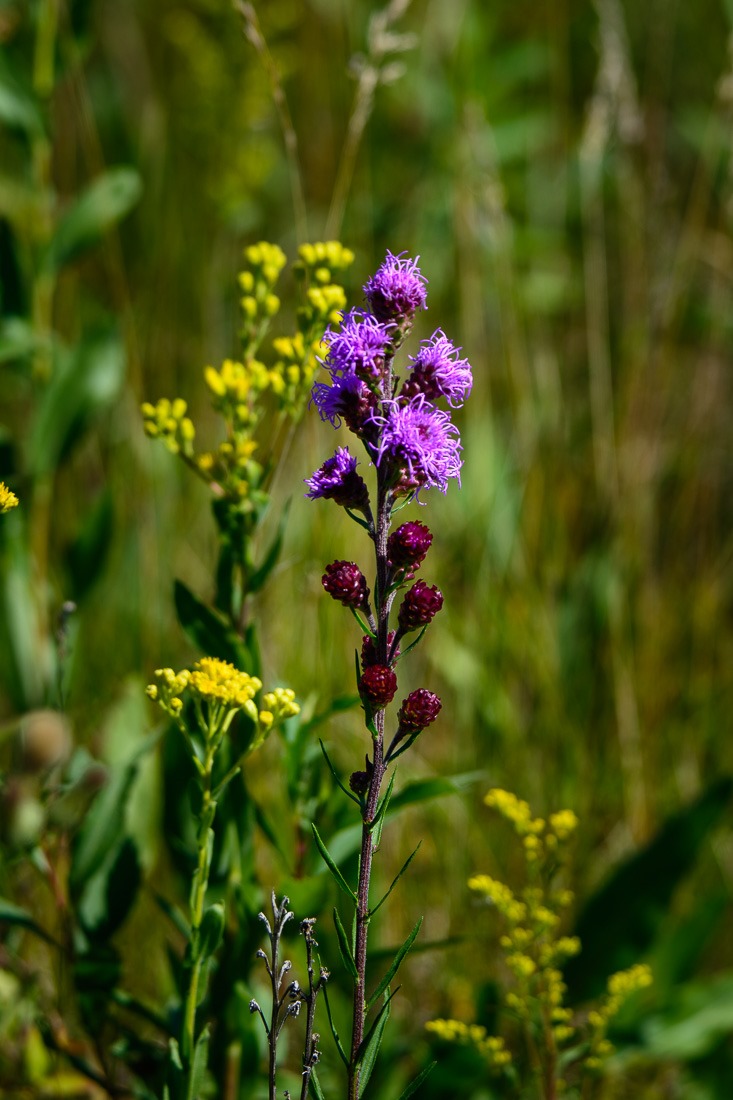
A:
377, 686
407, 546
419, 607
369, 650
344, 581
418, 710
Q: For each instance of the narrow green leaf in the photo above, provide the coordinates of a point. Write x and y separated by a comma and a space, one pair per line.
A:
18, 110
260, 575
380, 953
414, 1085
104, 203
347, 792
344, 946
331, 865
396, 963
211, 932
334, 1032
107, 896
366, 1056
14, 914
86, 556
376, 825
200, 1062
174, 914
316, 1086
396, 879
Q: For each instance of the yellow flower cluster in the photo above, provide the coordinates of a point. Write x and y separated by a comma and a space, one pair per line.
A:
538, 836
492, 1047
8, 499
620, 987
167, 420
241, 388
225, 690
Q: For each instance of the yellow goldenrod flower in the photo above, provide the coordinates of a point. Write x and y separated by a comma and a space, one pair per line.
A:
8, 499
219, 681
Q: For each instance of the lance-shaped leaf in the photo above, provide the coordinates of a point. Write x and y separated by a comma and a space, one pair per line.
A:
396, 963
344, 946
211, 932
328, 860
334, 1032
316, 1084
257, 579
334, 773
14, 914
414, 1085
395, 880
378, 822
366, 1055
206, 629
105, 202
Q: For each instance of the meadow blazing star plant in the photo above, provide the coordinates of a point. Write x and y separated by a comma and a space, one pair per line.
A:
413, 446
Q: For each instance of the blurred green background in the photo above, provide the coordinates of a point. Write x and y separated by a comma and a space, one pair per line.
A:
564, 173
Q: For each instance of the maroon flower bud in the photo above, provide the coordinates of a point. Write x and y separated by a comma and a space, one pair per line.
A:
345, 581
407, 547
359, 782
418, 710
369, 650
377, 686
420, 605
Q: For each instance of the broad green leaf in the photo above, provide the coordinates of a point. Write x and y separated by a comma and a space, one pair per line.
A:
396, 963
328, 860
85, 382
395, 880
104, 203
621, 921
698, 1016
16, 915
260, 575
414, 1085
108, 895
205, 628
104, 825
18, 110
344, 946
86, 556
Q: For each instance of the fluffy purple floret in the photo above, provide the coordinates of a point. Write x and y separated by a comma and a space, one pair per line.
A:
437, 371
420, 443
342, 399
359, 346
396, 290
338, 480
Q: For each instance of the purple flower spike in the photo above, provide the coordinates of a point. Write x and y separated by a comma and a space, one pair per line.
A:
438, 372
338, 480
359, 346
420, 444
397, 290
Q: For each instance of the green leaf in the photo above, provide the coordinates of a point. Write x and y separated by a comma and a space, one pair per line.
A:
15, 915
260, 575
107, 896
326, 856
334, 1032
396, 879
17, 339
86, 556
174, 914
344, 946
621, 921
316, 1084
414, 1085
18, 110
104, 203
334, 773
211, 932
200, 1062
104, 826
396, 963
205, 629
85, 382
378, 953
698, 1017
367, 1054
378, 822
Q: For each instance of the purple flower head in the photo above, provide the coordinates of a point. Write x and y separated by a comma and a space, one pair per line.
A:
348, 398
419, 443
418, 710
345, 582
438, 372
338, 480
377, 686
358, 347
369, 650
419, 606
407, 547
397, 289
